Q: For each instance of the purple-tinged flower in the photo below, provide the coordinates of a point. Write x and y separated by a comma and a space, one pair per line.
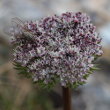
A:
62, 47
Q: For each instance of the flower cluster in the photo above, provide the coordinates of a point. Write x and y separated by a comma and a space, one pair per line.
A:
62, 47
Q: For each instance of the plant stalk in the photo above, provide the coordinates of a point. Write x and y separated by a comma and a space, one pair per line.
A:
66, 98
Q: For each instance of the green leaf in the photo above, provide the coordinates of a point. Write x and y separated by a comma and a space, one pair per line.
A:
21, 70
95, 68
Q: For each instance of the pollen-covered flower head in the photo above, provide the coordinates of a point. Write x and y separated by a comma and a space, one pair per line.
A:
57, 47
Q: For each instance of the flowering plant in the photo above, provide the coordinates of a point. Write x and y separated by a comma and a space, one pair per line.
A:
57, 48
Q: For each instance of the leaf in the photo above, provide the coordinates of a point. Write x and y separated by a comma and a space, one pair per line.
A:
22, 70
95, 68
75, 85
86, 76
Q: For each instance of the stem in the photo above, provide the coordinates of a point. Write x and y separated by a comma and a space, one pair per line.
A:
66, 98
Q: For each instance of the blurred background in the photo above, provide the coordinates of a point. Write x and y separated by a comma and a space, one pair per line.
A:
18, 93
